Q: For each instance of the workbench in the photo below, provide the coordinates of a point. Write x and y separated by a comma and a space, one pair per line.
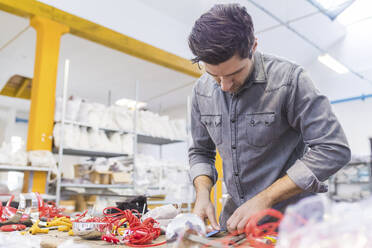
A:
55, 238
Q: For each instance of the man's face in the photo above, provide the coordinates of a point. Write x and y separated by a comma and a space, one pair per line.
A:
232, 73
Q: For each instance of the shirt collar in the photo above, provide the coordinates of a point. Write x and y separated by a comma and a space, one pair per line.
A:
258, 75
259, 72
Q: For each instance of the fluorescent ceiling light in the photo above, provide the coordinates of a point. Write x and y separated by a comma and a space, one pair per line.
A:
360, 10
131, 104
332, 63
331, 8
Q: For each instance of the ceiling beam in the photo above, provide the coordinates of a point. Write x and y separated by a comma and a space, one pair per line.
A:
21, 89
101, 35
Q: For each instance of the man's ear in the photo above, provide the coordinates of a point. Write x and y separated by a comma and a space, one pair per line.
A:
254, 46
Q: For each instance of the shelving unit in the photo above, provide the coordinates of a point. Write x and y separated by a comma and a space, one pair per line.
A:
142, 138
364, 185
86, 153
137, 138
97, 186
4, 198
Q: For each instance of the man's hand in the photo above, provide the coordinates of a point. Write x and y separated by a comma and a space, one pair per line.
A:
205, 209
203, 206
280, 190
238, 220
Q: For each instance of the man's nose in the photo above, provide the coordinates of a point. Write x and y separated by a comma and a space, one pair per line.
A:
225, 84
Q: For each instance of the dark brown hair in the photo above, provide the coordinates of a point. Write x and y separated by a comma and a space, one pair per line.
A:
226, 29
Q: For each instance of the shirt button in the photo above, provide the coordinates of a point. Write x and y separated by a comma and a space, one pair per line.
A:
233, 147
242, 197
232, 120
252, 122
236, 174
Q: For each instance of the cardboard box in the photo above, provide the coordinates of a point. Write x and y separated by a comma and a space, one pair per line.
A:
101, 177
81, 171
105, 177
68, 205
81, 204
121, 178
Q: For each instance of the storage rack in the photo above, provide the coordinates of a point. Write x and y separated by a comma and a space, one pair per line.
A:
138, 138
335, 182
31, 169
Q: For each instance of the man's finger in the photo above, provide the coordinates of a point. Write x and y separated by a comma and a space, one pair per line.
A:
241, 225
233, 223
212, 218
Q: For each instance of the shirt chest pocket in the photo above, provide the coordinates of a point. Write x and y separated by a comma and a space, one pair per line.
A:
213, 123
260, 128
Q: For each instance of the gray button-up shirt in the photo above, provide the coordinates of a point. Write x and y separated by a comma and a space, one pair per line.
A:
277, 123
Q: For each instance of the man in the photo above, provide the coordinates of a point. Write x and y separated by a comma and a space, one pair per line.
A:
277, 135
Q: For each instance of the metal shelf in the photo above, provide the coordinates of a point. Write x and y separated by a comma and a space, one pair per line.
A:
22, 168
352, 182
86, 153
97, 186
4, 198
90, 126
145, 139
141, 138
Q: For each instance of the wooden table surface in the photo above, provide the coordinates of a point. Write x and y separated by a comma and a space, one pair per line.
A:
55, 238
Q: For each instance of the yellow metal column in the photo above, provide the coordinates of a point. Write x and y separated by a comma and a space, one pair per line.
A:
216, 193
40, 127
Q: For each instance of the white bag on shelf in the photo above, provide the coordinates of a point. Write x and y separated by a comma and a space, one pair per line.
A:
95, 114
71, 135
106, 144
108, 117
127, 144
94, 140
84, 139
19, 158
69, 139
83, 115
72, 109
116, 142
123, 118
105, 121
41, 158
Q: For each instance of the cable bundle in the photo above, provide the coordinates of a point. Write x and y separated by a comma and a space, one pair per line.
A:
50, 210
257, 234
139, 234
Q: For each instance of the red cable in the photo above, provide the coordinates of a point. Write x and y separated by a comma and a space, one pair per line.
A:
255, 233
140, 234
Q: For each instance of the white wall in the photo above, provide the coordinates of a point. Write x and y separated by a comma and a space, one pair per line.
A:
356, 117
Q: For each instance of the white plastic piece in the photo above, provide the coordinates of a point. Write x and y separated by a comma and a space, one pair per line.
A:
184, 223
164, 214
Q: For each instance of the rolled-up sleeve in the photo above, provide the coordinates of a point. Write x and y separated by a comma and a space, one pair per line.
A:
310, 113
202, 151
